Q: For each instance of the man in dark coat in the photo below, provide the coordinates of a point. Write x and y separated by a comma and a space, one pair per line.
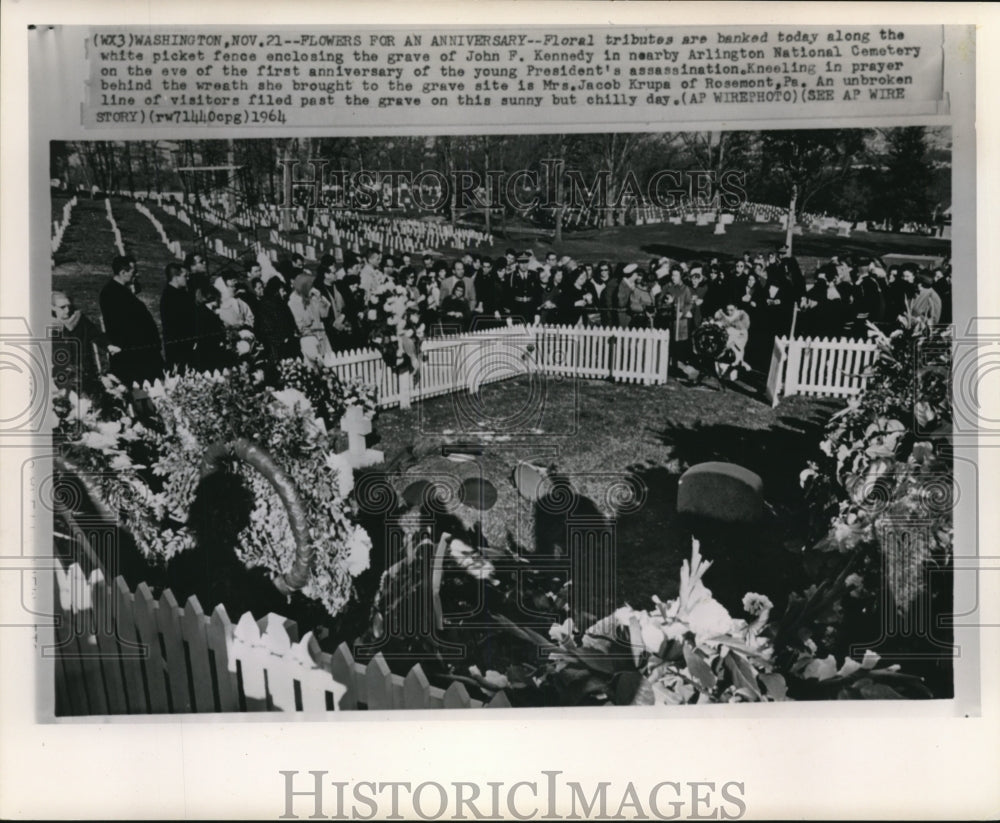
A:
699, 287
607, 294
869, 303
942, 285
210, 352
129, 326
274, 324
523, 291
489, 290
177, 312
792, 271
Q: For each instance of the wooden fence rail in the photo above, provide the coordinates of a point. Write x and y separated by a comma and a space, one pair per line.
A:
465, 362
124, 652
819, 367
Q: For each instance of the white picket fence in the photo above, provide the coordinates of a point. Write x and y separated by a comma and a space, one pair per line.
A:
465, 362
819, 367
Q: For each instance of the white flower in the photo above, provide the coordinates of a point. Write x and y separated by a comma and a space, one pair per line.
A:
652, 635
756, 604
562, 632
820, 668
709, 618
109, 427
242, 347
372, 314
120, 462
480, 569
292, 399
854, 582
459, 550
99, 440
345, 473
495, 679
359, 549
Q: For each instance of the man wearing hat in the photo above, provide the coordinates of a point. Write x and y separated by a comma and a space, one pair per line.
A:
625, 288
510, 263
523, 290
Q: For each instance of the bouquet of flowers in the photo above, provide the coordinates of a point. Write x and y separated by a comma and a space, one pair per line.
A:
356, 392
394, 326
320, 384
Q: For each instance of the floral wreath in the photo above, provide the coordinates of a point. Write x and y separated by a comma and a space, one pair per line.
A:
394, 326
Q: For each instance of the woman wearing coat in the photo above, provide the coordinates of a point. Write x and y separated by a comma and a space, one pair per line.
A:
576, 300
750, 299
677, 308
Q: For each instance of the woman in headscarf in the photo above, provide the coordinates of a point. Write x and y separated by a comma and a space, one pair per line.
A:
209, 352
233, 312
455, 311
275, 325
642, 304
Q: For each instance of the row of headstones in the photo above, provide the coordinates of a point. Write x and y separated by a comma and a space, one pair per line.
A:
173, 246
59, 226
119, 243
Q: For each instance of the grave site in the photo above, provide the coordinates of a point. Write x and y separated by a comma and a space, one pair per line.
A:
497, 457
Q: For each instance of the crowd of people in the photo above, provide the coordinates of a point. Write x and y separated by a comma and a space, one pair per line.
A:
298, 311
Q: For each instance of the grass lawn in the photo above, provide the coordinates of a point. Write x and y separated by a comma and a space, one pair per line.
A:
602, 435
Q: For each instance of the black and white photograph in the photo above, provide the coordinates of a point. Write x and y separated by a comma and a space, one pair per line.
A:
622, 418
621, 375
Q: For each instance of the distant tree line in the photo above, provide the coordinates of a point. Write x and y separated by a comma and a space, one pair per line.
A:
897, 175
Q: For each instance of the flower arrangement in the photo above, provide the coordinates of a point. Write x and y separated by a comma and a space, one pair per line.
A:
886, 465
356, 392
881, 464
691, 650
320, 385
687, 650
148, 470
392, 318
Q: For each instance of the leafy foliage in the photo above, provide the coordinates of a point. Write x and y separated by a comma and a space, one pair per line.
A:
881, 501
